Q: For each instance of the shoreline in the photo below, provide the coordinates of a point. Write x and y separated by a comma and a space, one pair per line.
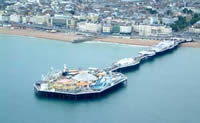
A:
69, 37
66, 37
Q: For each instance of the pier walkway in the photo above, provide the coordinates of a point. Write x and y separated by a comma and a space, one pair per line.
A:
164, 46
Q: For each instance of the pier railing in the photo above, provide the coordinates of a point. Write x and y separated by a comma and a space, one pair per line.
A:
169, 45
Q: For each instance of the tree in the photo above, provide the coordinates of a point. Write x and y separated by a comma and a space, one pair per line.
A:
151, 11
169, 12
182, 22
187, 11
195, 18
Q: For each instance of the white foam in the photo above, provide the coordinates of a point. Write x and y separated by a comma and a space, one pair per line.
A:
112, 43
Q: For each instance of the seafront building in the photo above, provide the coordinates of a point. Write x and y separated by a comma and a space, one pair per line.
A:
126, 29
152, 30
195, 28
89, 27
15, 18
107, 29
134, 18
41, 20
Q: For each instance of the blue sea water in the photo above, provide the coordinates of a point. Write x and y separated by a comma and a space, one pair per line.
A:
163, 90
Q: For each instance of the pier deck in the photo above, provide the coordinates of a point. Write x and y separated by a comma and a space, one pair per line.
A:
161, 48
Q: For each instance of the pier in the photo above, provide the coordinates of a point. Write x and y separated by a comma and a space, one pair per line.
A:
83, 40
78, 84
165, 46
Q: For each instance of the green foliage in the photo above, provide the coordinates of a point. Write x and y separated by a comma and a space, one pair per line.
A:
187, 11
71, 12
182, 22
151, 11
169, 12
82, 20
194, 19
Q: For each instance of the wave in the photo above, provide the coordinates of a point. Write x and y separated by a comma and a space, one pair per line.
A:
113, 43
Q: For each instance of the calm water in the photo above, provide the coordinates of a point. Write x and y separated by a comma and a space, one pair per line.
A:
164, 90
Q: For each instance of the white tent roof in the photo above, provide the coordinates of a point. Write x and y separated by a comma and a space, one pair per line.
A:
126, 61
84, 76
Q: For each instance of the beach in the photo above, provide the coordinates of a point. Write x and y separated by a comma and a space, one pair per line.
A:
69, 37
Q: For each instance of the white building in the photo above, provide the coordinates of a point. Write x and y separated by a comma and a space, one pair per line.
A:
125, 29
106, 29
15, 18
153, 20
152, 30
41, 2
4, 18
89, 27
166, 20
93, 17
42, 20
32, 1
194, 30
25, 19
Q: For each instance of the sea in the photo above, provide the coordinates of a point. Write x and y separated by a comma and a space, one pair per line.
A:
165, 89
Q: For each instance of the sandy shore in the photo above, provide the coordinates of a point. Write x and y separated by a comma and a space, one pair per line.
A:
69, 37
191, 44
